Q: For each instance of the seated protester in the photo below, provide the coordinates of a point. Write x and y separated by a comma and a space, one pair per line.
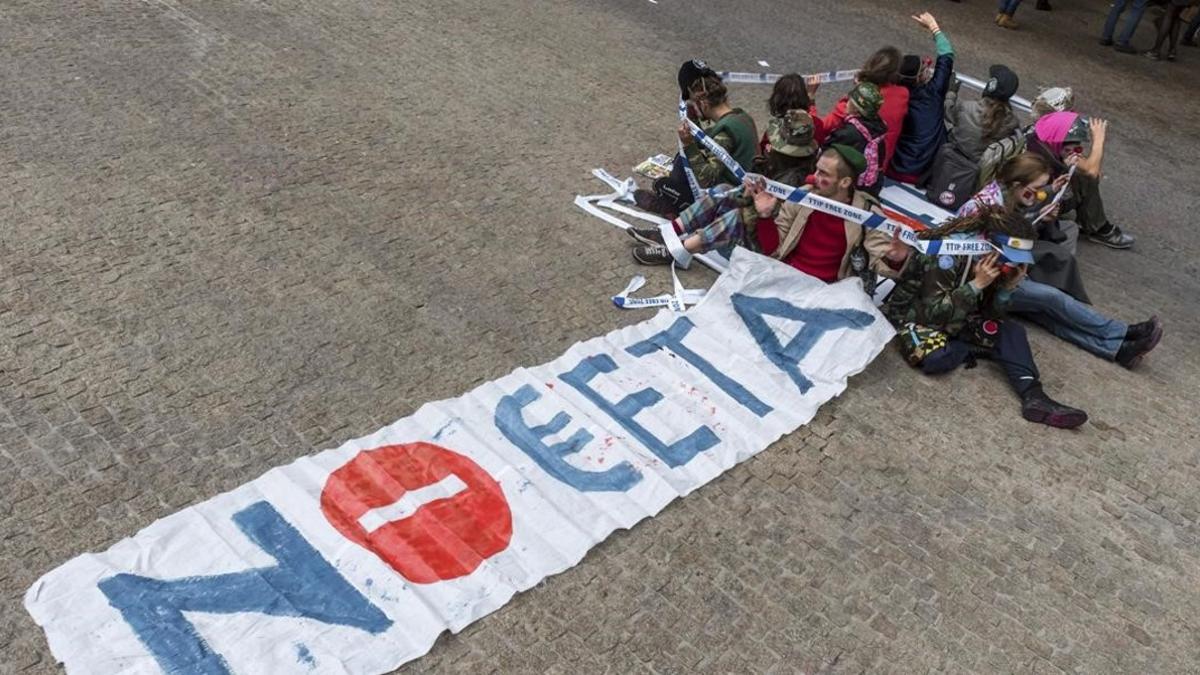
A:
1045, 296
972, 126
787, 152
672, 194
883, 71
950, 309
863, 130
812, 241
924, 128
1054, 99
1023, 186
1060, 138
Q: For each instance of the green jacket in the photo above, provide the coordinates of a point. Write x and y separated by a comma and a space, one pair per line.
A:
737, 134
930, 299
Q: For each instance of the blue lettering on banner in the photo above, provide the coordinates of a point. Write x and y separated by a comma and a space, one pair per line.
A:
676, 454
672, 339
302, 584
817, 322
508, 419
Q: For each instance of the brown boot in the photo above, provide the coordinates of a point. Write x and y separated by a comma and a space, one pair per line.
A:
1006, 21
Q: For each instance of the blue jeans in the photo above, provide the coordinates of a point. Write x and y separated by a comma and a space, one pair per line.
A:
1068, 318
1136, 9
1008, 7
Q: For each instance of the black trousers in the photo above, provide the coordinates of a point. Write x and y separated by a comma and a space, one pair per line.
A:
675, 188
1085, 201
1011, 352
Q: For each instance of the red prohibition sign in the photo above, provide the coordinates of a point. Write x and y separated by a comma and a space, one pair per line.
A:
445, 538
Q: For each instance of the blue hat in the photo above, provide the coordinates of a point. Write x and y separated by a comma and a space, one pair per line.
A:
1014, 249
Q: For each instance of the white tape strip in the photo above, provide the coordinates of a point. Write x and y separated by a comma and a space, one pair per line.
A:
590, 204
1057, 197
733, 77
677, 301
683, 257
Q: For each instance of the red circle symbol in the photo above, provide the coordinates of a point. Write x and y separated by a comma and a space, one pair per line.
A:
462, 518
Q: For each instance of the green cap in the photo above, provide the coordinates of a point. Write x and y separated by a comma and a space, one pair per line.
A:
867, 99
853, 157
792, 134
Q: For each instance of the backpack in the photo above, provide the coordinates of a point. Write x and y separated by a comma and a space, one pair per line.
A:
953, 178
871, 152
999, 152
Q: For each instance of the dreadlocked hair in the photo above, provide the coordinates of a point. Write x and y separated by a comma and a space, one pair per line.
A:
710, 88
991, 219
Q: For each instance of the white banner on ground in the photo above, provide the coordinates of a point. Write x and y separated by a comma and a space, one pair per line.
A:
354, 560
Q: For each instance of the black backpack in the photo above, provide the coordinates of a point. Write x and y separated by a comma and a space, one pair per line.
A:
953, 178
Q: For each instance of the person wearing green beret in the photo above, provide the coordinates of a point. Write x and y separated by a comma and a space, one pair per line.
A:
813, 241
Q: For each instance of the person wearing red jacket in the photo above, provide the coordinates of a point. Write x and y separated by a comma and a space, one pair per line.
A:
882, 70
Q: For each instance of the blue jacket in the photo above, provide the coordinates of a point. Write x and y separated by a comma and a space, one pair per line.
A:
924, 127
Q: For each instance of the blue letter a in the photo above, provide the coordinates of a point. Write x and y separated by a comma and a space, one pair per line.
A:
817, 322
303, 584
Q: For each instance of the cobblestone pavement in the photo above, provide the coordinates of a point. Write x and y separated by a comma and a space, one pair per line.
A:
240, 231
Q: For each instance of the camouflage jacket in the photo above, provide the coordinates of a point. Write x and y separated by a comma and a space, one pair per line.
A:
737, 134
933, 296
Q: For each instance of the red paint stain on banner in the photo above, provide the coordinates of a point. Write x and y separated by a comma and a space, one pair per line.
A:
443, 539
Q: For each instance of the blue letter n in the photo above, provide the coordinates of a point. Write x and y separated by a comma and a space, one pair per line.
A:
303, 584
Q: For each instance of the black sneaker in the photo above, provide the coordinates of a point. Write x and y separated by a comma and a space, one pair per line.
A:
1126, 48
646, 235
1037, 407
653, 254
1044, 5
1132, 351
648, 201
1112, 237
1106, 42
1189, 43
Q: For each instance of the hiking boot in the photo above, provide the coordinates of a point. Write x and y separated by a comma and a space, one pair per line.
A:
648, 201
1006, 21
1112, 237
1044, 5
1037, 407
646, 235
653, 254
1134, 349
1126, 48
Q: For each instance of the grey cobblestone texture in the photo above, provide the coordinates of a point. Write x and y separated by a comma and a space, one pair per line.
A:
240, 231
